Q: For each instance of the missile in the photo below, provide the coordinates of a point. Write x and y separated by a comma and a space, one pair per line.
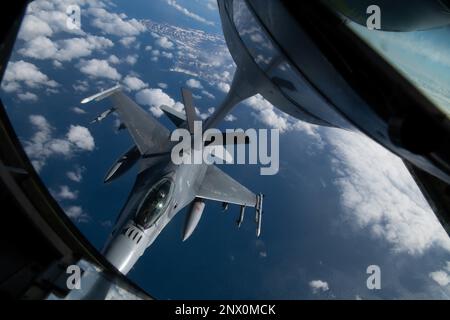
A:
241, 216
102, 115
101, 95
123, 164
258, 227
193, 218
258, 214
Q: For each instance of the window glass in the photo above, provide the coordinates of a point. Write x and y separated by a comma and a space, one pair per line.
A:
423, 57
253, 36
154, 204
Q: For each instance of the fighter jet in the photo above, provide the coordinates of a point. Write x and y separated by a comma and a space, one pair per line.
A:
162, 188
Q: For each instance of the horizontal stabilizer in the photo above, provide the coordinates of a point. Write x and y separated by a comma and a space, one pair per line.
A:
177, 118
219, 186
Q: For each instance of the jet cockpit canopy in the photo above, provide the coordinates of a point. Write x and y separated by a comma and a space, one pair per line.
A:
155, 203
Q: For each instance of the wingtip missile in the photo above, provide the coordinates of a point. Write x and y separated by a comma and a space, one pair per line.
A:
101, 95
258, 214
259, 225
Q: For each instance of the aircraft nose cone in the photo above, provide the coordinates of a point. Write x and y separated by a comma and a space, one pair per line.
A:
125, 249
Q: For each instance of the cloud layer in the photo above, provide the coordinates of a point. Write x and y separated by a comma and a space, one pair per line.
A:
379, 195
43, 145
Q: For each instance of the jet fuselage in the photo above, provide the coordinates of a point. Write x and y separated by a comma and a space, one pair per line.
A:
130, 236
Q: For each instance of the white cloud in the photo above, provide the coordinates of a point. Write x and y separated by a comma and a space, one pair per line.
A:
379, 195
164, 43
27, 73
65, 193
212, 5
206, 114
28, 97
10, 86
188, 13
57, 64
99, 69
163, 85
81, 86
76, 213
318, 286
131, 59
154, 98
113, 59
34, 27
39, 48
115, 24
78, 110
270, 116
148, 48
54, 14
230, 118
76, 175
440, 277
168, 55
267, 114
66, 49
38, 148
195, 84
155, 55
224, 87
81, 137
43, 145
134, 83
126, 41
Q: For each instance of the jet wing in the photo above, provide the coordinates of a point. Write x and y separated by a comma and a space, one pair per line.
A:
219, 186
149, 135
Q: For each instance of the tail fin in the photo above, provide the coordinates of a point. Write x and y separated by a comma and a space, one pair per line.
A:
191, 115
178, 118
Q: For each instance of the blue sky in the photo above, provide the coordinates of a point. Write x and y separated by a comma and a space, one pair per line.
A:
339, 203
